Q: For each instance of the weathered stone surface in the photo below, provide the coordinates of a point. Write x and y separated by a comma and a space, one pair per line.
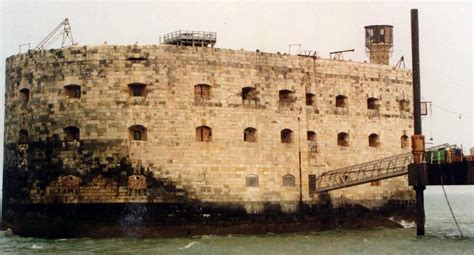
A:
176, 166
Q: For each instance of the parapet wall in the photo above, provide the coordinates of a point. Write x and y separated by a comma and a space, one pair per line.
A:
177, 166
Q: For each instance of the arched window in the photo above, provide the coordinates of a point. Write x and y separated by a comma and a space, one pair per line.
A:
404, 105
374, 140
343, 139
404, 141
309, 99
285, 96
202, 92
286, 136
71, 134
25, 95
137, 89
137, 133
288, 180
250, 135
251, 180
23, 137
372, 103
341, 101
249, 93
72, 91
203, 134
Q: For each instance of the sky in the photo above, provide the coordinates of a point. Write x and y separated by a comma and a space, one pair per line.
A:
446, 38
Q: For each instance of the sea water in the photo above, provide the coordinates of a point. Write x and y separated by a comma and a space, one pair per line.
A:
442, 237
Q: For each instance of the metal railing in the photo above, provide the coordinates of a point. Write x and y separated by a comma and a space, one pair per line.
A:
189, 37
375, 170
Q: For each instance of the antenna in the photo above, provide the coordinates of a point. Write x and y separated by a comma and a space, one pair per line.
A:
62, 30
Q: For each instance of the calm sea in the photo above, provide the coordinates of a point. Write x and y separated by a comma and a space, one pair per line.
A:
442, 237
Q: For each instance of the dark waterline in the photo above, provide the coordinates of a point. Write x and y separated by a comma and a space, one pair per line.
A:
442, 238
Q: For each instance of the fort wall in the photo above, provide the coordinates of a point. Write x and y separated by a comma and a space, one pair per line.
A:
176, 165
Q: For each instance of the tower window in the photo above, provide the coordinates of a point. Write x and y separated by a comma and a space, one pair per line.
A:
286, 136
405, 143
25, 95
251, 180
311, 136
285, 96
309, 99
341, 101
372, 103
250, 135
23, 136
71, 134
374, 140
249, 93
288, 180
404, 105
72, 91
375, 183
137, 89
203, 134
202, 91
343, 139
137, 133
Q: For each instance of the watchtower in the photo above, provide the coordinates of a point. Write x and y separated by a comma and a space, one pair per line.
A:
379, 43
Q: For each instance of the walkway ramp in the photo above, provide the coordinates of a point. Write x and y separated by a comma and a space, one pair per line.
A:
375, 170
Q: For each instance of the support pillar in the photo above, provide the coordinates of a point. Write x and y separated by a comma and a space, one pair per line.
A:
420, 210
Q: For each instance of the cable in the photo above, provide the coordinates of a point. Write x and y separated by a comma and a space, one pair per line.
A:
449, 205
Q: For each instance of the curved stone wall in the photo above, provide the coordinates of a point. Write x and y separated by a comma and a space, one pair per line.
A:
136, 111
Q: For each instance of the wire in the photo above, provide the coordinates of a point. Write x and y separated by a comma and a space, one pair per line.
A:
449, 205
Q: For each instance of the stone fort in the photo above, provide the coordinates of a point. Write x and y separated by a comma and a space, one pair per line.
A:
176, 123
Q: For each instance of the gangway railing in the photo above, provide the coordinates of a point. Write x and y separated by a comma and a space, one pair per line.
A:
371, 171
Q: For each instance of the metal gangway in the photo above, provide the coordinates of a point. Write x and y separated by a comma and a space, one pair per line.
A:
371, 171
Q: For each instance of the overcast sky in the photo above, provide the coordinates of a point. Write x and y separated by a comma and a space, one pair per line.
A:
446, 38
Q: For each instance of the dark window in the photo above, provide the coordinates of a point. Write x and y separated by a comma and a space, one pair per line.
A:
311, 137
137, 133
71, 134
137, 89
288, 180
202, 91
372, 103
374, 140
286, 136
341, 101
285, 96
203, 134
343, 139
250, 135
309, 99
312, 183
405, 143
251, 180
25, 95
249, 93
72, 91
23, 136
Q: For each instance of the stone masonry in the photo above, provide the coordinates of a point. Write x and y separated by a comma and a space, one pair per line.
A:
143, 145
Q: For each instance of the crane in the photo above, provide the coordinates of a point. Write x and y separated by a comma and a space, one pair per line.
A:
62, 30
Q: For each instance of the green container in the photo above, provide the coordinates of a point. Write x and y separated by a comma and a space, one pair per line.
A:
439, 155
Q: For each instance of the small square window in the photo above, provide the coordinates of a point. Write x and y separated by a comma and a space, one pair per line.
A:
137, 135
